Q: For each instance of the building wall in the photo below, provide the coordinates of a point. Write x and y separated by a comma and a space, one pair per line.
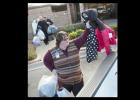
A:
61, 18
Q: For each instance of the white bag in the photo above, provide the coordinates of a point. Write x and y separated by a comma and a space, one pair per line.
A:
52, 29
47, 86
40, 34
36, 41
64, 93
34, 26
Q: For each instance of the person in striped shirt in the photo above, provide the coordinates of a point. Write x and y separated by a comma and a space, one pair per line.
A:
64, 58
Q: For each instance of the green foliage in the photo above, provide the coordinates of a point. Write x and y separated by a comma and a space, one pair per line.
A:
72, 35
75, 34
79, 31
31, 52
73, 27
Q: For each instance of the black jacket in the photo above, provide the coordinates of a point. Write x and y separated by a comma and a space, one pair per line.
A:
43, 25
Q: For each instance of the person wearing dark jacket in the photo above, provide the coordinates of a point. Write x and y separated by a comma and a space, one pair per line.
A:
48, 21
43, 25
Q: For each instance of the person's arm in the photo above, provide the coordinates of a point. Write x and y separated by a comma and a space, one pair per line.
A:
39, 26
113, 36
48, 20
81, 40
105, 36
48, 61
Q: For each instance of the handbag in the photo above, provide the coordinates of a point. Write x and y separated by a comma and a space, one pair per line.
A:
52, 29
63, 92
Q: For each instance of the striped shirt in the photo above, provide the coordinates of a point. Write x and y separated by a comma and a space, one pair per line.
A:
66, 63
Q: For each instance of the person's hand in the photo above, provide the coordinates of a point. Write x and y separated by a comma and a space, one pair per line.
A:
48, 23
88, 25
60, 85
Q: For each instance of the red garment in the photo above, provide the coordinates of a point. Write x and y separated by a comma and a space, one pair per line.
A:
104, 40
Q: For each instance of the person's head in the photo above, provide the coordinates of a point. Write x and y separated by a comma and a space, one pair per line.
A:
91, 15
40, 17
62, 40
45, 17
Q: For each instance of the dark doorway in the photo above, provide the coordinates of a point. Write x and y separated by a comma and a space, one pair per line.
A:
78, 15
75, 12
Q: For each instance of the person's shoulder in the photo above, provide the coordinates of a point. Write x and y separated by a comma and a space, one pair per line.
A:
52, 49
39, 22
107, 28
48, 19
49, 52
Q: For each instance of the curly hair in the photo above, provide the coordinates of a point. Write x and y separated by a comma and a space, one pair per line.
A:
59, 37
